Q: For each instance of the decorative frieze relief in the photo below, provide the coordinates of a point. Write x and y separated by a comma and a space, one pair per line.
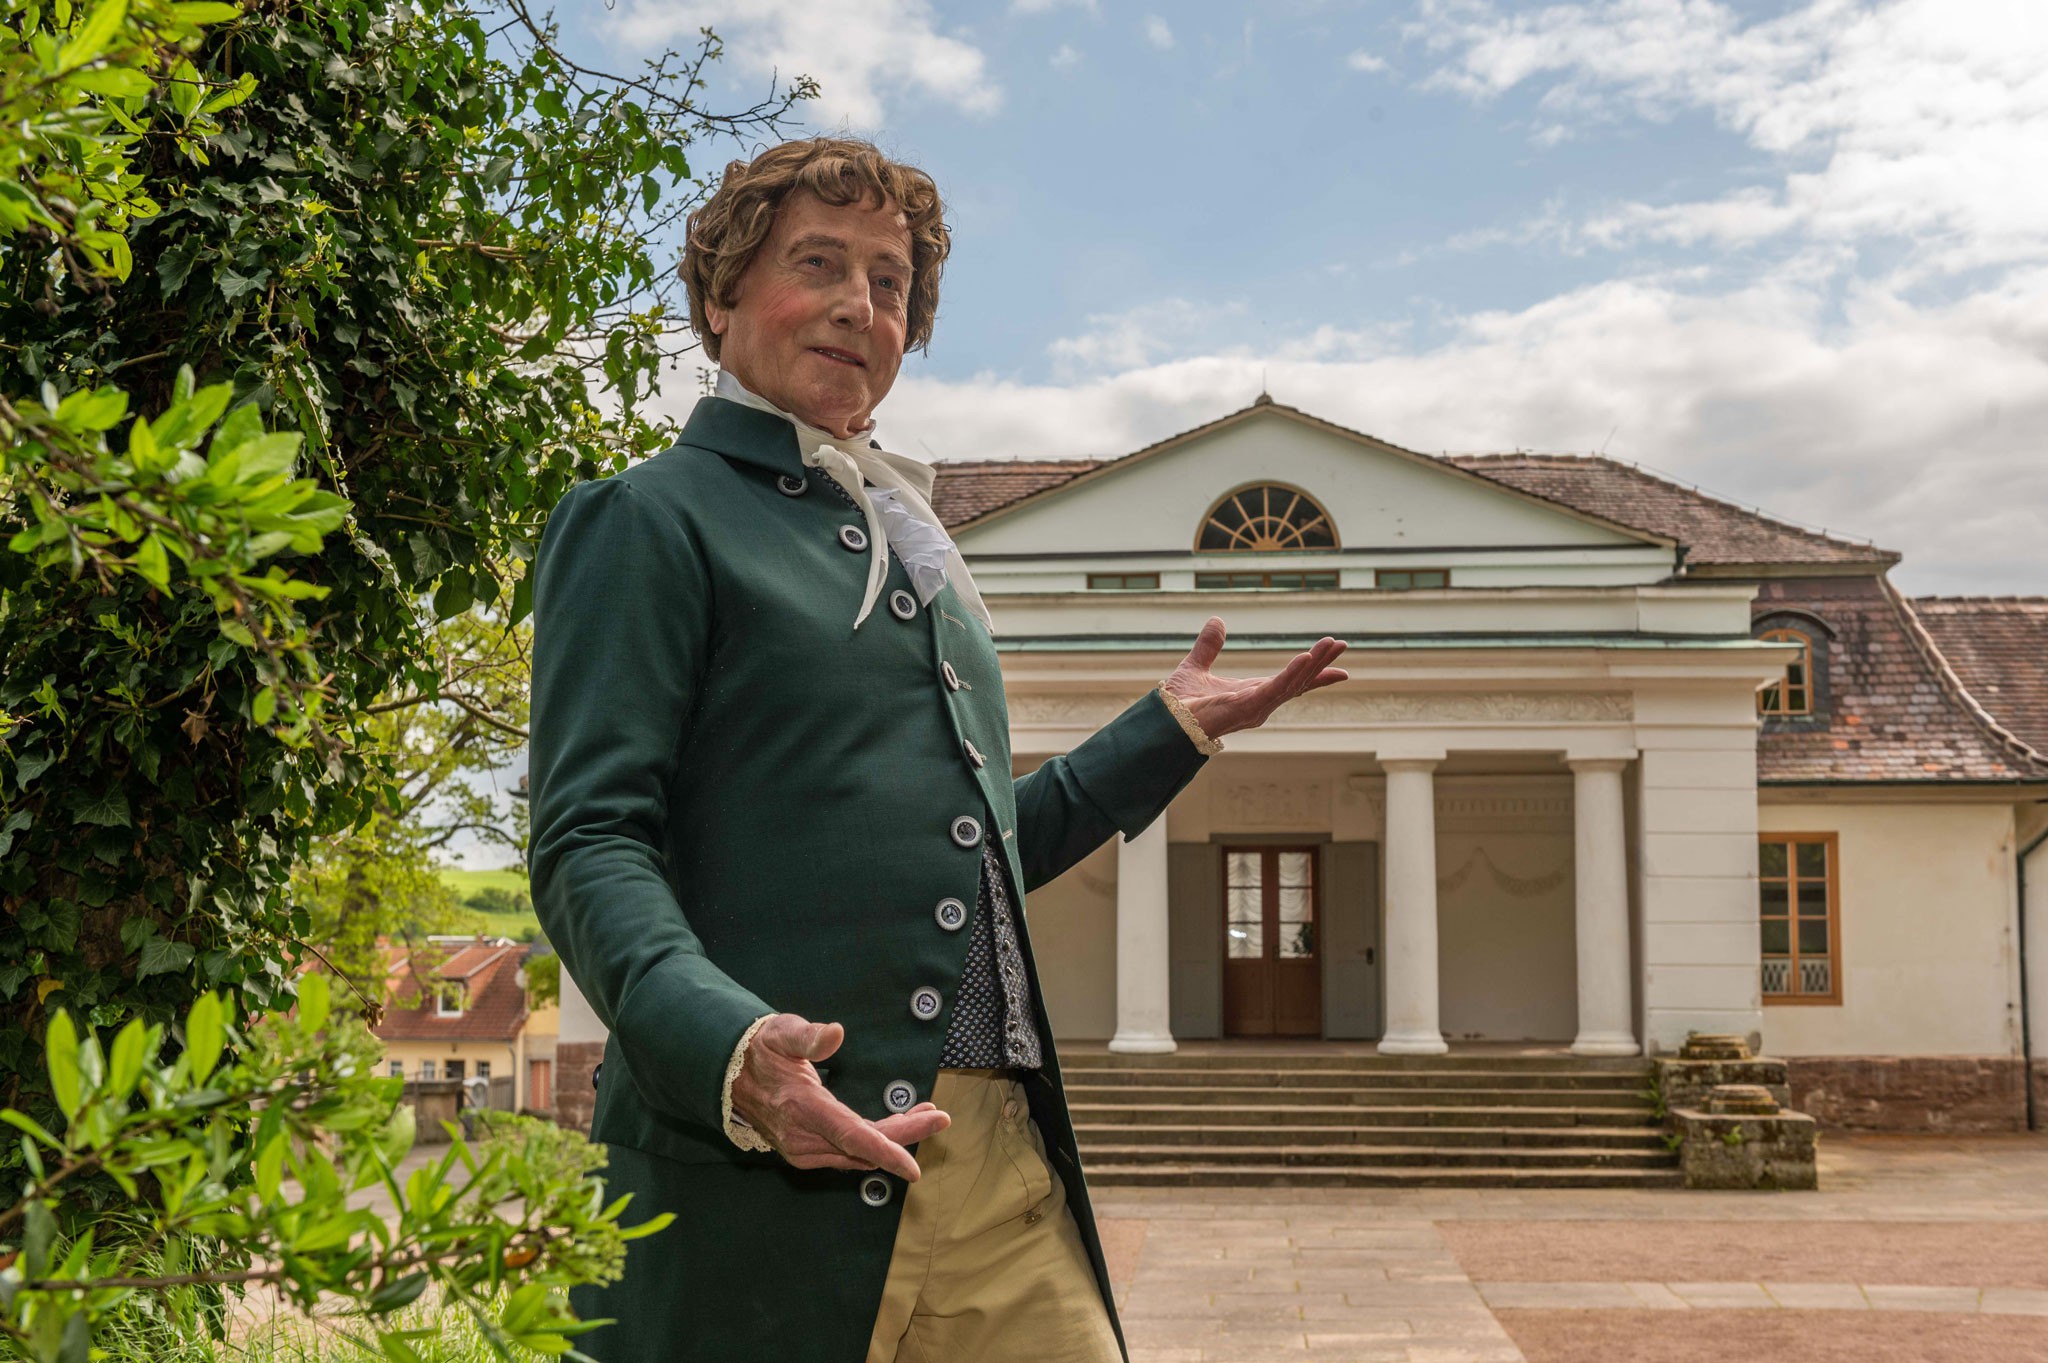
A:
1301, 805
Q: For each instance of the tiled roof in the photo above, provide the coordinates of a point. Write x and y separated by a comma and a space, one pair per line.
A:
966, 490
494, 1007
1712, 531
1998, 646
1894, 711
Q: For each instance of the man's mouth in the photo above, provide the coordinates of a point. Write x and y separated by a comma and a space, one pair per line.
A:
842, 356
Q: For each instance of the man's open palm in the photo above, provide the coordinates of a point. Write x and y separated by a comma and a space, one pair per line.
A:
1224, 705
779, 1093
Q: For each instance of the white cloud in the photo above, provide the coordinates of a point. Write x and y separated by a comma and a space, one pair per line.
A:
1048, 6
1914, 120
864, 53
1066, 58
1157, 33
1362, 60
1917, 426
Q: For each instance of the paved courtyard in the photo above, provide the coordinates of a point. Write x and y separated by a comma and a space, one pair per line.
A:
1917, 1250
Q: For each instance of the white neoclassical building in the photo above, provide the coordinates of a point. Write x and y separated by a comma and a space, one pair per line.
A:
1616, 761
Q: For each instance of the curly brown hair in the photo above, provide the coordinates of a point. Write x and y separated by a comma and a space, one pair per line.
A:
726, 232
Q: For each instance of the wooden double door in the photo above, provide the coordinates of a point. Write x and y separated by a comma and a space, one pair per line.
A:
1272, 945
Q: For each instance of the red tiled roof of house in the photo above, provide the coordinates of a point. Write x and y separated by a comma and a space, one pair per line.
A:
967, 490
1998, 646
1713, 531
494, 1004
1892, 708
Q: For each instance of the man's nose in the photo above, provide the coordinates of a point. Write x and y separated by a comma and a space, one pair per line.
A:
853, 307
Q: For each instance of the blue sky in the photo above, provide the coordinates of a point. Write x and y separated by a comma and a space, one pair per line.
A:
1796, 253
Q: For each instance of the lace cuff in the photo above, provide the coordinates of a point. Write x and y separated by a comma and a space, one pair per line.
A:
1185, 718
736, 1128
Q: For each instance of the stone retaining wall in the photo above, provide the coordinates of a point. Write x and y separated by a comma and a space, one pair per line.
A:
1963, 1094
575, 1098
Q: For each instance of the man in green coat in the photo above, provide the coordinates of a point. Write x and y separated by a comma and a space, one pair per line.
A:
778, 845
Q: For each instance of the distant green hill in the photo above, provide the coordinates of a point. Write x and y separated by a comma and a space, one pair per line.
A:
519, 926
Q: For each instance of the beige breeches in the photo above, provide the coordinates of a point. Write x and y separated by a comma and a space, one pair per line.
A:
988, 1265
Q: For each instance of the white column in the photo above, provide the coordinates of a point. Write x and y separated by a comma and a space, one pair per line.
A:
1600, 873
1143, 965
1412, 1027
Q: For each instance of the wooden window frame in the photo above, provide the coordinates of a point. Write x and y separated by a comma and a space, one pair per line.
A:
1269, 894
1101, 582
1781, 687
1832, 841
1379, 573
1265, 582
445, 990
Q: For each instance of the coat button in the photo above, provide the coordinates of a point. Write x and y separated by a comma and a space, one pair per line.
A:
853, 537
789, 485
875, 1190
952, 915
900, 1095
973, 754
902, 604
967, 831
953, 682
924, 1004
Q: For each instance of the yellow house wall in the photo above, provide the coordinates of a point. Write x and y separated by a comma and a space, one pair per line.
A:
1927, 951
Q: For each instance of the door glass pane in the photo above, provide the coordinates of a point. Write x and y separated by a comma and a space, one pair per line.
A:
1813, 899
1770, 858
1294, 868
1813, 858
1297, 925
1243, 868
1777, 937
1813, 937
1242, 903
1247, 939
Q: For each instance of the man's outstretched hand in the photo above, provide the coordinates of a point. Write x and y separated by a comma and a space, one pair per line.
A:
1224, 705
778, 1091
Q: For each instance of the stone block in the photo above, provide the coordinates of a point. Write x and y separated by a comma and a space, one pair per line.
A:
1742, 1151
575, 1095
1959, 1094
1686, 1083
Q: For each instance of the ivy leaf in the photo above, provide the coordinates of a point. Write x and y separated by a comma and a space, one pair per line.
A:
108, 810
161, 956
16, 821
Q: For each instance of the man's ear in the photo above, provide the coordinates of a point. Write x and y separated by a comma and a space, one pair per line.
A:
717, 317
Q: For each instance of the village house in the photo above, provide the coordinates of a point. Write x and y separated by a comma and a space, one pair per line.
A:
1618, 761
461, 1009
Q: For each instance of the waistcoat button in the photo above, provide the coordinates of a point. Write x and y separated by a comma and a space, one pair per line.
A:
900, 1095
953, 681
973, 754
853, 537
875, 1190
967, 831
925, 1003
952, 914
789, 485
902, 604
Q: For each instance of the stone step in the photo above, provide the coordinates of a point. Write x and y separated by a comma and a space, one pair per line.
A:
1221, 1095
1503, 1115
1113, 1175
1384, 1156
1255, 1077
1097, 1134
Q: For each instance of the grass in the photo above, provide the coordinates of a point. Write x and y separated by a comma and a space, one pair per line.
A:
517, 926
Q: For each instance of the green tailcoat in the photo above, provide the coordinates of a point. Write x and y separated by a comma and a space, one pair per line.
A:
743, 805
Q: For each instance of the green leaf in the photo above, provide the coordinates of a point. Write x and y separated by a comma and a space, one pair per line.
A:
270, 1168
124, 1064
121, 82
108, 810
16, 821
396, 1295
90, 38
315, 1001
161, 956
205, 1033
265, 705
205, 12
76, 1344
153, 564
39, 1233
60, 1050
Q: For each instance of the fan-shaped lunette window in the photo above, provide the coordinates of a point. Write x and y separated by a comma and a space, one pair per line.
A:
1267, 517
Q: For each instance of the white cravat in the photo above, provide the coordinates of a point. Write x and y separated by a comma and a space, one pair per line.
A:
898, 508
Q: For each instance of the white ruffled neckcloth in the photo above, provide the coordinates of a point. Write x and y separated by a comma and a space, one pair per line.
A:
898, 507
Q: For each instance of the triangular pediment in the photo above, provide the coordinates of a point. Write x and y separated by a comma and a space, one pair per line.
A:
1379, 496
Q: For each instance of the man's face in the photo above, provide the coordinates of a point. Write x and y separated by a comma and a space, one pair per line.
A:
818, 324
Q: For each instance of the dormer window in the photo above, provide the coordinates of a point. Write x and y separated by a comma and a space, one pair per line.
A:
448, 999
1267, 517
1793, 694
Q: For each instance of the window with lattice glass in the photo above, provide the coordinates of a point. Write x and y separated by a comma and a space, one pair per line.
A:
1270, 903
1411, 579
1266, 518
1798, 915
1123, 582
1285, 581
1794, 694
